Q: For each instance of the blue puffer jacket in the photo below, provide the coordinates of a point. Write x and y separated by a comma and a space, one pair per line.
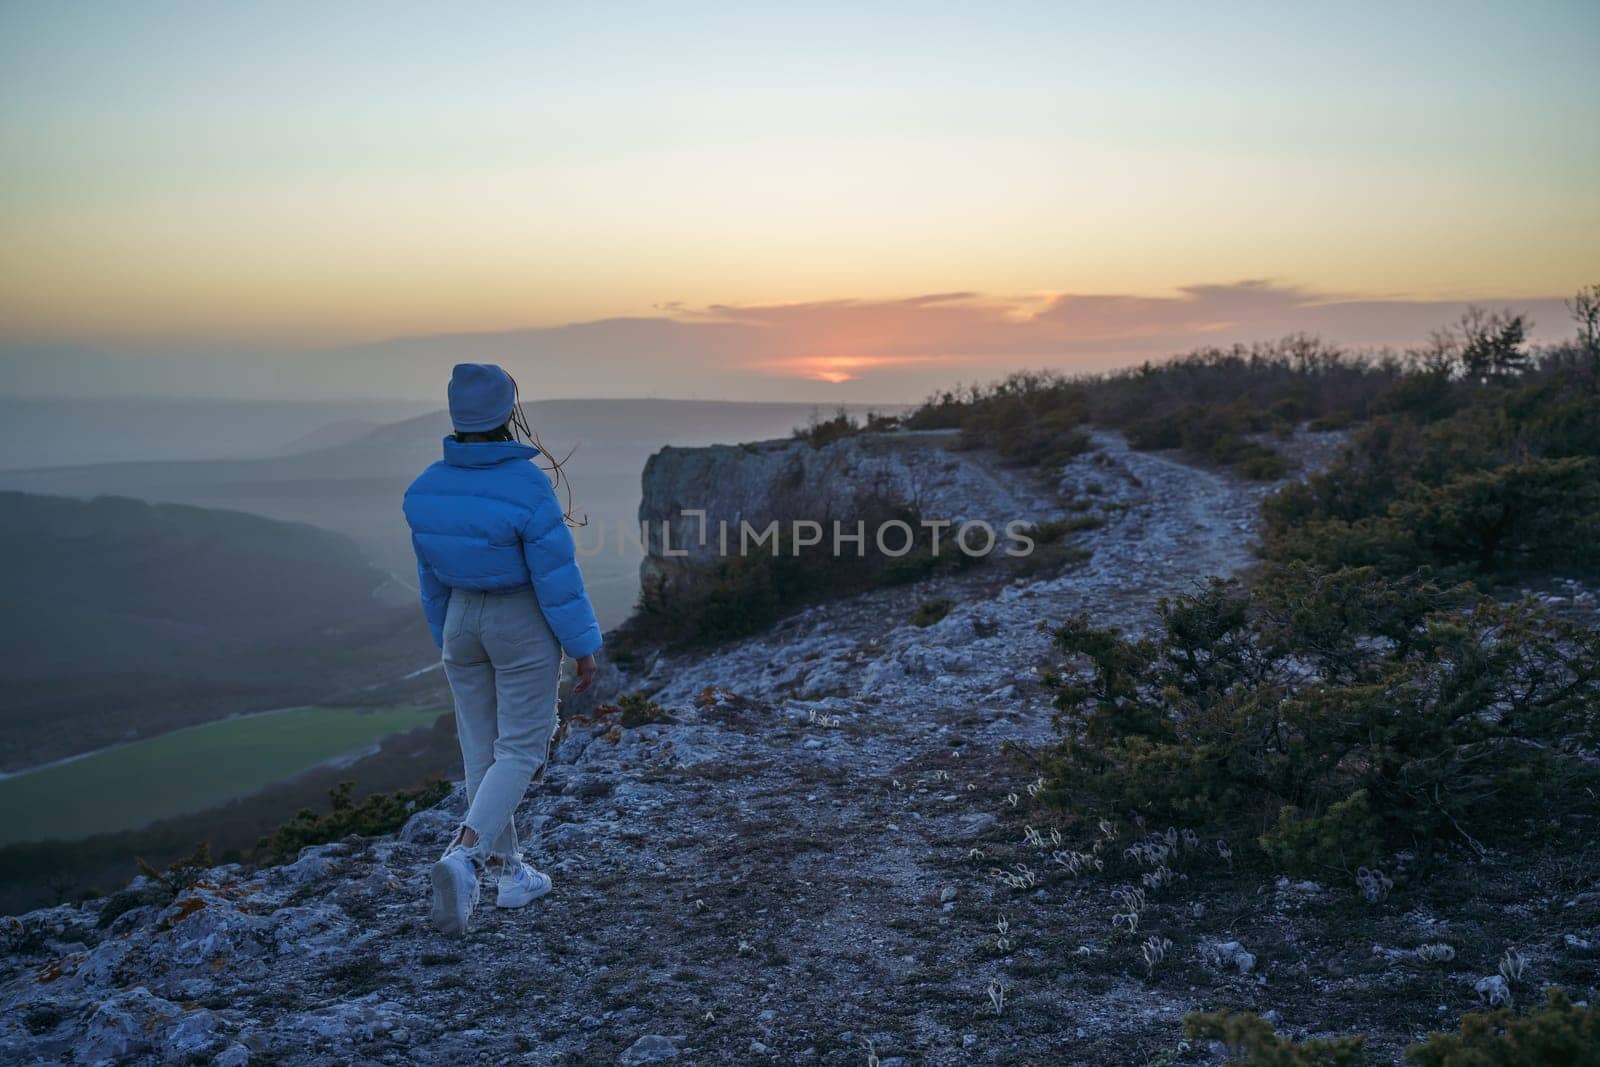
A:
487, 518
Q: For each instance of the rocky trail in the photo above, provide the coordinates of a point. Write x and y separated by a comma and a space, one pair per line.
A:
826, 853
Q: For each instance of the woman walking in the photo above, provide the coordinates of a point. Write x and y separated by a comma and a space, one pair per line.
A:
503, 597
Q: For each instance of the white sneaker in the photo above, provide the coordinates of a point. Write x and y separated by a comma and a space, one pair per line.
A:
455, 891
521, 886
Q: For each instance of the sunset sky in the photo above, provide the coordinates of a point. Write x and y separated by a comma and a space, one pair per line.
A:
1095, 182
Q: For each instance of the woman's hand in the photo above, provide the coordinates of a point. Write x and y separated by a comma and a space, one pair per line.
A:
588, 671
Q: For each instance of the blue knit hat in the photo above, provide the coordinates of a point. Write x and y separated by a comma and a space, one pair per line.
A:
481, 397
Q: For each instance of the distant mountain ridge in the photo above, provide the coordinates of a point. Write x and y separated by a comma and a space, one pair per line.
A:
557, 360
38, 432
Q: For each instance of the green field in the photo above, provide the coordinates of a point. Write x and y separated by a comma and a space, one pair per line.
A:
187, 770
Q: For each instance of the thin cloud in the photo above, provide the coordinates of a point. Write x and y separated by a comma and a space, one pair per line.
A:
1078, 330
853, 349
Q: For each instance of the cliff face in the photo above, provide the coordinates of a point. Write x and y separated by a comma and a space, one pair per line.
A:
785, 480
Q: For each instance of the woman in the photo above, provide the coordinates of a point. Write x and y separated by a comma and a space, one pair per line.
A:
503, 597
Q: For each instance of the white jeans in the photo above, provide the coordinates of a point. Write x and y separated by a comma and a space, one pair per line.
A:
504, 666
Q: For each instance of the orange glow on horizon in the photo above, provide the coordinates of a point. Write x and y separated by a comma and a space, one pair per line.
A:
839, 369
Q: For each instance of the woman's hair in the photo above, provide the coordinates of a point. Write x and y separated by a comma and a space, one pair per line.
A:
499, 433
516, 428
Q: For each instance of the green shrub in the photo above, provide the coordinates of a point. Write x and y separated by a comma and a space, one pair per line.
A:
380, 813
1518, 519
1047, 443
931, 612
1050, 560
1428, 396
1557, 1035
1478, 379
1219, 433
1330, 716
1260, 463
1336, 420
639, 710
912, 567
1055, 529
125, 900
743, 595
1485, 483
736, 596
841, 424
181, 873
1527, 516
162, 885
819, 431
1205, 402
1344, 836
1252, 1041
1029, 420
1489, 345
